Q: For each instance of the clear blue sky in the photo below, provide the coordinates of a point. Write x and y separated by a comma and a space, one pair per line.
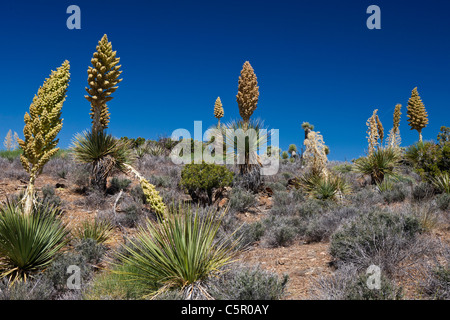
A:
315, 61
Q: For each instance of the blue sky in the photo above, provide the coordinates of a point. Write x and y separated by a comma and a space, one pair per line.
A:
316, 61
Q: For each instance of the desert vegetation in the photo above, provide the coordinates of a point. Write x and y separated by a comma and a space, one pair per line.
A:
135, 225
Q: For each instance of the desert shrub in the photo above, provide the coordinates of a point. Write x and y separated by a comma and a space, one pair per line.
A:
422, 191
98, 230
49, 198
367, 197
378, 237
33, 289
320, 227
251, 180
117, 184
241, 199
28, 243
91, 250
276, 186
443, 201
179, 253
249, 283
80, 177
437, 281
280, 231
349, 284
398, 193
160, 181
286, 203
343, 168
59, 167
94, 199
250, 233
200, 180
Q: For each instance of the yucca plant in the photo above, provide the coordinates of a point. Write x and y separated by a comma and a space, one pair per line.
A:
28, 243
382, 162
324, 187
98, 230
179, 253
246, 154
442, 182
103, 152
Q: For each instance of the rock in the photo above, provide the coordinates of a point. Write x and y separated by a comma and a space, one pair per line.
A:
223, 202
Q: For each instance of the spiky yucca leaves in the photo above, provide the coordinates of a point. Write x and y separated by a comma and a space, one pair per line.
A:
103, 78
442, 182
98, 230
218, 111
28, 243
104, 153
180, 253
417, 115
381, 163
42, 125
151, 194
315, 156
373, 134
248, 93
245, 154
332, 186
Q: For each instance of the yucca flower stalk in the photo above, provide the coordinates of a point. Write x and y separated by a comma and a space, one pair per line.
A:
417, 115
42, 125
248, 93
315, 154
180, 253
103, 78
373, 132
218, 111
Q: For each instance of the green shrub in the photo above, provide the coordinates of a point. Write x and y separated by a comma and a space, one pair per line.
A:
428, 158
200, 180
250, 283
